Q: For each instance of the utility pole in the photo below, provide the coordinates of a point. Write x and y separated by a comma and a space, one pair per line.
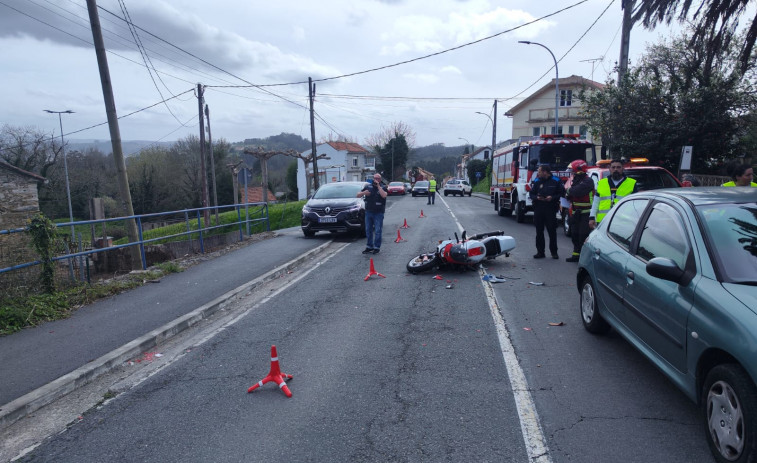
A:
115, 133
212, 163
311, 91
625, 37
203, 172
494, 135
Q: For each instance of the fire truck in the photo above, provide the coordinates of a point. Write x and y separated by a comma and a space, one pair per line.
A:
515, 165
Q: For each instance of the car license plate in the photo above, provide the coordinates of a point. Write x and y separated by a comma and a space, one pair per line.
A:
326, 219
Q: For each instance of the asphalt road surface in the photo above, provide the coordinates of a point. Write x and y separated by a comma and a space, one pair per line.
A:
401, 368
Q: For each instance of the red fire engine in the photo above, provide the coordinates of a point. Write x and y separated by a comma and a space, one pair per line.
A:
515, 165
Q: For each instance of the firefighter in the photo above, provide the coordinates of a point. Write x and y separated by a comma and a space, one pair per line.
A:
609, 191
579, 194
545, 193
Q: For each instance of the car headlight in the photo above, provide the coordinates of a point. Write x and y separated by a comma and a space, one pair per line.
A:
306, 210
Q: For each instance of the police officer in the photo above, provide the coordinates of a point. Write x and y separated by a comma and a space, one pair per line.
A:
609, 191
545, 193
579, 194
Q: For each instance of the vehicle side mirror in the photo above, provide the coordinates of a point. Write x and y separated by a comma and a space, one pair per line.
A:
687, 183
665, 269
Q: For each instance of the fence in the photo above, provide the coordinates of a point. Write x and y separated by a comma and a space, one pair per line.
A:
187, 230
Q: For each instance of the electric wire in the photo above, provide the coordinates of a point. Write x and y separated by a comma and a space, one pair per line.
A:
146, 58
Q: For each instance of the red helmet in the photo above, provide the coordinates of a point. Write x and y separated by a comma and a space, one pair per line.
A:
579, 165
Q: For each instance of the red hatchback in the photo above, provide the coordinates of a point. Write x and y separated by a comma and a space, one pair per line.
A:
396, 188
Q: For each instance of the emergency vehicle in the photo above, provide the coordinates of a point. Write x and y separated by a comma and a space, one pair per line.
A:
515, 165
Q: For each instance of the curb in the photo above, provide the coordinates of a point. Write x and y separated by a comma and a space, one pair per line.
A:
38, 398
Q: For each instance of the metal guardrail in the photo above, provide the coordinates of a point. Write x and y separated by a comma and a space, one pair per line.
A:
254, 213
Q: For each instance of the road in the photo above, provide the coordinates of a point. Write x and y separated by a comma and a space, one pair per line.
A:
400, 368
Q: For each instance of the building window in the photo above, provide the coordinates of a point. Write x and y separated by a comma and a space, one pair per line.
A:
570, 129
566, 97
559, 130
536, 131
582, 131
354, 162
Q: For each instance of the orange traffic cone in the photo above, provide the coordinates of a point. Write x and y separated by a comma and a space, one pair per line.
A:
373, 271
405, 225
399, 237
274, 375
422, 216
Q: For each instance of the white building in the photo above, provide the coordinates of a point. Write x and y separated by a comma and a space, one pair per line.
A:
343, 162
535, 115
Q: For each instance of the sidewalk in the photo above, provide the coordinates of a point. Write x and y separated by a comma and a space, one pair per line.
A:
40, 364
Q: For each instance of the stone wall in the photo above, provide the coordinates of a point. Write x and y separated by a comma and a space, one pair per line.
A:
18, 204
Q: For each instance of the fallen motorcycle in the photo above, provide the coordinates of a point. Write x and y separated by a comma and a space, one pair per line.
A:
464, 253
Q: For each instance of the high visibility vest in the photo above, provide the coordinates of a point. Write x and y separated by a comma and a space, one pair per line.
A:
609, 196
432, 186
732, 183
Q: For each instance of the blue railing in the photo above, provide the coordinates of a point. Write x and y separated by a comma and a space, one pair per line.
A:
254, 213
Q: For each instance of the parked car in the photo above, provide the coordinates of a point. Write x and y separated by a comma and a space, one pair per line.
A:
647, 178
674, 272
408, 187
396, 188
458, 186
420, 188
335, 207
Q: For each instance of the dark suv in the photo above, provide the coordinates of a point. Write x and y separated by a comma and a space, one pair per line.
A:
335, 208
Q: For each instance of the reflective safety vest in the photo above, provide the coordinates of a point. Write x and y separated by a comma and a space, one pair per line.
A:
609, 196
432, 186
732, 183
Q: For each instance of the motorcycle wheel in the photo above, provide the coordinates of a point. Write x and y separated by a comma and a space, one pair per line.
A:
422, 263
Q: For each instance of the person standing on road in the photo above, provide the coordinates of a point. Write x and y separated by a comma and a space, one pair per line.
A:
579, 194
742, 175
545, 193
609, 191
431, 190
375, 205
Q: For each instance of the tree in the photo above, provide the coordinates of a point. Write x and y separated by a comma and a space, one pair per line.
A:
476, 165
28, 148
669, 101
717, 21
392, 145
291, 180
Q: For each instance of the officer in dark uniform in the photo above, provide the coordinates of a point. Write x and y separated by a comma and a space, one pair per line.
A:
545, 193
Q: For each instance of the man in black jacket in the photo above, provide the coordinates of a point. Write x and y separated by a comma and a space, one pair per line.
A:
545, 193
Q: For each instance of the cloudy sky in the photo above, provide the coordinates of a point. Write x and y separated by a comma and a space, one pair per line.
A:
429, 64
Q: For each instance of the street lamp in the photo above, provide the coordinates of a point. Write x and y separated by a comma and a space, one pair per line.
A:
462, 158
65, 168
557, 78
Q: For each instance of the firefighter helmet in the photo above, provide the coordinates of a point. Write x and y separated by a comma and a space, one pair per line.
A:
579, 165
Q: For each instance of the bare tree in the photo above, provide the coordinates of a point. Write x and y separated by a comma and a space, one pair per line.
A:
28, 148
381, 138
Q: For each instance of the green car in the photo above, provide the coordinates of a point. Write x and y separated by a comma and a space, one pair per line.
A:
674, 271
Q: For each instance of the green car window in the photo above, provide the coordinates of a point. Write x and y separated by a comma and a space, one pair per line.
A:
624, 221
664, 236
731, 231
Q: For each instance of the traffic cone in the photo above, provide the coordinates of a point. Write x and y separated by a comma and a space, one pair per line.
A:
405, 225
274, 375
422, 216
373, 271
399, 237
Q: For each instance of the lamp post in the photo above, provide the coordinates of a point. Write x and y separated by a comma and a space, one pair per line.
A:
557, 79
65, 168
462, 158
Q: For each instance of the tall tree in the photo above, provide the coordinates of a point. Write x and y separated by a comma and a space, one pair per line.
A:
669, 101
715, 23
